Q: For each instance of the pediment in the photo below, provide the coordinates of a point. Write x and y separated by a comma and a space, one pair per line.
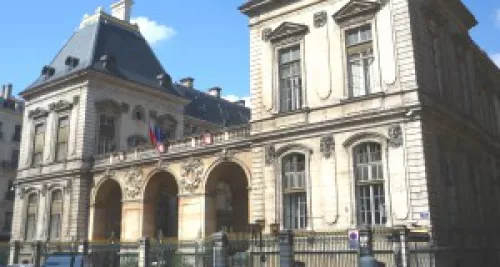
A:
356, 8
287, 29
38, 113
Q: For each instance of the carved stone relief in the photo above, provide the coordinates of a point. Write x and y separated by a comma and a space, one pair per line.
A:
60, 105
133, 183
327, 146
395, 136
319, 19
225, 154
191, 173
270, 153
266, 33
38, 113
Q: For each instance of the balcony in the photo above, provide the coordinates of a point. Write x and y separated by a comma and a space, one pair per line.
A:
186, 145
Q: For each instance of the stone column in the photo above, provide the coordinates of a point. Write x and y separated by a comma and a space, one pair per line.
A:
15, 248
144, 252
220, 250
286, 248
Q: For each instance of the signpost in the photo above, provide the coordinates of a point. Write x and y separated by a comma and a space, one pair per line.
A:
353, 236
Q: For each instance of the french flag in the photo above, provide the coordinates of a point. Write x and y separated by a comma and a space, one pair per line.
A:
156, 137
152, 136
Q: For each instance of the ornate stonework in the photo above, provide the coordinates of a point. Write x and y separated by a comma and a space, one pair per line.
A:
38, 113
266, 33
191, 173
270, 153
319, 19
225, 154
395, 136
60, 105
327, 146
133, 183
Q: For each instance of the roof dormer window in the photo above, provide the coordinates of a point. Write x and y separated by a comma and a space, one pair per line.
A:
71, 62
48, 71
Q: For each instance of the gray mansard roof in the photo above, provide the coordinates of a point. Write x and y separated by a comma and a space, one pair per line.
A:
131, 58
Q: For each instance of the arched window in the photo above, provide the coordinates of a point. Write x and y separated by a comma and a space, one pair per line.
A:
31, 212
294, 191
370, 193
55, 215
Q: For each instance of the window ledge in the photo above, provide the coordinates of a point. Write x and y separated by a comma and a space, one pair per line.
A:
293, 112
361, 98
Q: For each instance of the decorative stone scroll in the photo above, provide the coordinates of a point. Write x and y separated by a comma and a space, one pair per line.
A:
327, 146
270, 153
395, 136
61, 105
133, 183
191, 173
266, 33
38, 113
319, 19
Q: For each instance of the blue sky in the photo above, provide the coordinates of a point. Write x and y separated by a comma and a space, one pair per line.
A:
207, 40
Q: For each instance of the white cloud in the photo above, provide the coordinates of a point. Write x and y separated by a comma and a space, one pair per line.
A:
152, 30
234, 98
496, 59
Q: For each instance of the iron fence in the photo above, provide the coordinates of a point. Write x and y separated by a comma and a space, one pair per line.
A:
175, 253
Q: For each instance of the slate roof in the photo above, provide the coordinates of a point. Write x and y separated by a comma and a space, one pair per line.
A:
135, 61
219, 111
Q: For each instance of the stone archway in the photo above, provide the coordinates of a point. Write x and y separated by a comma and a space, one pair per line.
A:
161, 206
226, 199
107, 211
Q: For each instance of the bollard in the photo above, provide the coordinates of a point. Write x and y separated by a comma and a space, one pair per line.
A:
286, 248
220, 249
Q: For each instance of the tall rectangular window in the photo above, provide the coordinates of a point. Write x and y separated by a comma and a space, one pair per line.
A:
360, 61
1, 132
62, 138
15, 158
38, 144
17, 134
30, 230
368, 172
290, 81
294, 191
106, 142
7, 224
55, 215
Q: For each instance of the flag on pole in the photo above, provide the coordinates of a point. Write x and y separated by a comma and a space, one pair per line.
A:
152, 136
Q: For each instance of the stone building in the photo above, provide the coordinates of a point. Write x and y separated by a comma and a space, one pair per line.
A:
11, 110
377, 113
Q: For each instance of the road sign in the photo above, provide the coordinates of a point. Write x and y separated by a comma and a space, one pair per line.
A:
353, 236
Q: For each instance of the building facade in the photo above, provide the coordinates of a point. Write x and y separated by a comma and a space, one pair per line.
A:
377, 113
11, 110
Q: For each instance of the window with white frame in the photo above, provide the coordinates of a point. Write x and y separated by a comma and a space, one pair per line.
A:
55, 215
62, 138
38, 144
107, 132
360, 60
370, 191
290, 87
31, 213
294, 191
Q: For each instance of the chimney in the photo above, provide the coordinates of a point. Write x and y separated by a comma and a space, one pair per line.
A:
215, 91
187, 82
240, 102
2, 92
7, 91
121, 9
